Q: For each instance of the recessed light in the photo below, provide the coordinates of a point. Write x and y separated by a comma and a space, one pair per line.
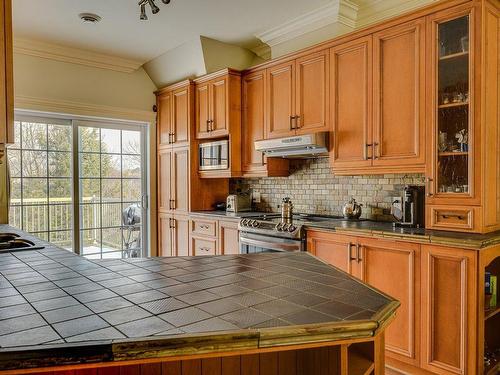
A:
89, 17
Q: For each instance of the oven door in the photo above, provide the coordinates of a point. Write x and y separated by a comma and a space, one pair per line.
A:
259, 243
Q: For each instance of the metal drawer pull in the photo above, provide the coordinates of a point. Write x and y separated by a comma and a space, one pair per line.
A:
206, 249
447, 216
204, 226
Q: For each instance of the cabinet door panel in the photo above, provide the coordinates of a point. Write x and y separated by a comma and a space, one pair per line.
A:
165, 248
449, 310
164, 118
351, 103
312, 95
202, 110
394, 268
164, 180
203, 246
180, 180
181, 116
181, 236
229, 242
399, 95
332, 248
280, 100
218, 107
253, 120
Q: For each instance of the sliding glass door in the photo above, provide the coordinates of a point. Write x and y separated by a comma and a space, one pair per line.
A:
81, 177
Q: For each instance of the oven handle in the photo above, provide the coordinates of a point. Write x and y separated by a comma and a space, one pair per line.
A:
269, 245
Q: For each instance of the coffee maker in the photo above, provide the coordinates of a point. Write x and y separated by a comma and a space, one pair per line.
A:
409, 210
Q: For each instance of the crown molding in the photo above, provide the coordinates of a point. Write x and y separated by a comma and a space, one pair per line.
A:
336, 11
378, 10
82, 109
262, 50
74, 55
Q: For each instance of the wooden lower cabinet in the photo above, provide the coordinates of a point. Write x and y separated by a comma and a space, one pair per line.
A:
449, 310
435, 330
173, 235
229, 239
165, 235
203, 246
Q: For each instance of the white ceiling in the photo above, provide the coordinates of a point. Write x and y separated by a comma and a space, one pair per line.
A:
122, 34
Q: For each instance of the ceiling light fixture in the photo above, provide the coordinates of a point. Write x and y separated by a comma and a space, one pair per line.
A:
89, 17
152, 5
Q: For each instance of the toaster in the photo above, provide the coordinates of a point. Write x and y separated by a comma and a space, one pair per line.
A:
239, 202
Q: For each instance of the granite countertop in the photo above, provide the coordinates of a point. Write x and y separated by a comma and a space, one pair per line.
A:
59, 308
387, 230
228, 215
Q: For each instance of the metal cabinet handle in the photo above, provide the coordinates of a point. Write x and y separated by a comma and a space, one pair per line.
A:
297, 123
212, 125
173, 138
358, 253
172, 204
428, 183
375, 156
291, 123
349, 248
367, 147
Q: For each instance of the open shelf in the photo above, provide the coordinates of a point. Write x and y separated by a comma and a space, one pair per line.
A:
452, 105
460, 153
454, 55
491, 312
493, 369
359, 364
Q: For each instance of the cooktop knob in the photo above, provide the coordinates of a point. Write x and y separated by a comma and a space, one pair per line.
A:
279, 227
255, 224
244, 222
292, 228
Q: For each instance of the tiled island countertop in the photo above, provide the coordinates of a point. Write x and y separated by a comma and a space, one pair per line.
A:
59, 308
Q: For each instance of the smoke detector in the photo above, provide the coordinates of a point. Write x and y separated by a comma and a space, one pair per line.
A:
89, 17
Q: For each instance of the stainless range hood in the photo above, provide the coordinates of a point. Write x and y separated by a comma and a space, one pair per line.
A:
297, 147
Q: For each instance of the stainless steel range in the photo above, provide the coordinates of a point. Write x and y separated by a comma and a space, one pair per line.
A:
273, 232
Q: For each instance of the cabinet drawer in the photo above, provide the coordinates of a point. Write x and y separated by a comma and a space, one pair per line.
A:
204, 227
452, 218
203, 246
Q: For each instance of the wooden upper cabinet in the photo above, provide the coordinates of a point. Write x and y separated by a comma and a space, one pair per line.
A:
280, 98
399, 95
164, 166
218, 97
202, 100
218, 107
164, 131
351, 66
394, 268
181, 116
312, 93
254, 163
6, 76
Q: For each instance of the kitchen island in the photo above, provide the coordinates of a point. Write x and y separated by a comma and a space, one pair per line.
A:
285, 313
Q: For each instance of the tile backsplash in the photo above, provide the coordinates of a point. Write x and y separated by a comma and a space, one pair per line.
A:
315, 190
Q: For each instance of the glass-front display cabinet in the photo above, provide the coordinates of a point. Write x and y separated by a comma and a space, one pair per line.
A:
452, 169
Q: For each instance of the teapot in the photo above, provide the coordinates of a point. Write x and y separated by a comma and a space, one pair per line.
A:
352, 210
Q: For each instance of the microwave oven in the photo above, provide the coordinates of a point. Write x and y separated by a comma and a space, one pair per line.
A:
214, 155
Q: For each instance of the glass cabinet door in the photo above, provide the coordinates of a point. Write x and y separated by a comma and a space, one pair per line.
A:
453, 170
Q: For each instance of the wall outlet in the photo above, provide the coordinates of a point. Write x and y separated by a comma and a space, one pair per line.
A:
256, 197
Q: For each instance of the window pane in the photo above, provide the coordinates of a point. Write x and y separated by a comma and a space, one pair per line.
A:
90, 165
91, 243
132, 166
111, 165
111, 239
90, 190
15, 215
34, 136
131, 142
111, 214
17, 135
132, 190
34, 190
60, 164
89, 139
60, 137
63, 239
110, 141
35, 218
15, 191
60, 190
34, 163
111, 190
61, 216
90, 216
14, 160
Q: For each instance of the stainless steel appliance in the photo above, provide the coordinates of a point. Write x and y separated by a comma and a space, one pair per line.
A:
352, 210
409, 210
239, 202
300, 146
286, 209
214, 155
